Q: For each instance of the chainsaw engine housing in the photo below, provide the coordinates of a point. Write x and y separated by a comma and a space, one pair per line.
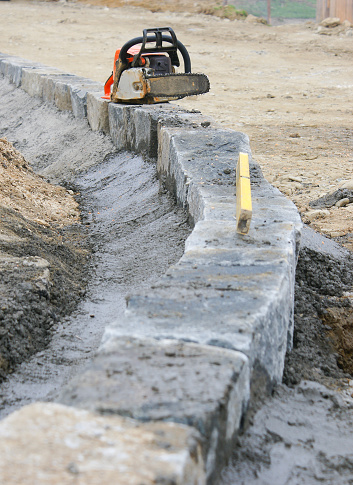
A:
135, 86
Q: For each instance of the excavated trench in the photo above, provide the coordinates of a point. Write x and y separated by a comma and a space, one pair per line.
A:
132, 233
323, 335
129, 234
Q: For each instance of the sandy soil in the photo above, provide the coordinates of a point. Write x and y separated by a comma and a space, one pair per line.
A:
30, 194
42, 253
288, 87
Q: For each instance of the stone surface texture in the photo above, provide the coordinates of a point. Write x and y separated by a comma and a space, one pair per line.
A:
47, 443
168, 380
216, 325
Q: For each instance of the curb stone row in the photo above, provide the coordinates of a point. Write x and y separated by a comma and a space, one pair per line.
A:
191, 350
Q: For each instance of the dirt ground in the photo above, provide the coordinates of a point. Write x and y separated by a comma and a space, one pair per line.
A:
288, 87
30, 194
41, 260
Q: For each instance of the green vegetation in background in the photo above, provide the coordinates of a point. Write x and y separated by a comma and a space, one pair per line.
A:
305, 9
230, 11
225, 11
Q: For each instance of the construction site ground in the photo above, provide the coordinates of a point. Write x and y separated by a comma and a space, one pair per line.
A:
289, 87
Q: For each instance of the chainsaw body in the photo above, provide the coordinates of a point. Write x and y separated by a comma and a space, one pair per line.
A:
144, 71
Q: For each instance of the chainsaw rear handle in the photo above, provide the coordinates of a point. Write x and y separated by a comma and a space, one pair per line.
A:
158, 38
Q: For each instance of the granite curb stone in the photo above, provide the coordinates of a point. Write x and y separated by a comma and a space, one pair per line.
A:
204, 387
67, 91
47, 443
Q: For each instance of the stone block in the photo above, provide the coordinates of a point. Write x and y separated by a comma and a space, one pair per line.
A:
4, 66
97, 112
170, 167
62, 96
71, 83
48, 89
119, 123
145, 122
4, 56
47, 443
134, 127
78, 102
78, 92
192, 159
11, 67
225, 257
56, 89
222, 235
14, 73
218, 208
35, 80
166, 380
248, 309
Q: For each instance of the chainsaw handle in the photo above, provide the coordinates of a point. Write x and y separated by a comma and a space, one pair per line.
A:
164, 38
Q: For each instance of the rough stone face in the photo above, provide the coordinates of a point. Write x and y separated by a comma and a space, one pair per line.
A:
62, 96
134, 128
97, 112
168, 380
14, 72
199, 163
52, 444
79, 96
228, 290
64, 87
34, 81
233, 306
67, 91
12, 67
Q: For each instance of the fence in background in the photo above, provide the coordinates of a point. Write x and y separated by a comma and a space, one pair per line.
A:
342, 9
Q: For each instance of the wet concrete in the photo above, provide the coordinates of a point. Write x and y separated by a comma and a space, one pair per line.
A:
324, 283
300, 436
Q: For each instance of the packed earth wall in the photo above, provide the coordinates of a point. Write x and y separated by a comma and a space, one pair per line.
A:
168, 390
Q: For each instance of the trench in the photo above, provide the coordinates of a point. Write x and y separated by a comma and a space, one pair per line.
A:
130, 228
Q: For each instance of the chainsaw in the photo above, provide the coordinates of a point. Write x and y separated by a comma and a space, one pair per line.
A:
145, 70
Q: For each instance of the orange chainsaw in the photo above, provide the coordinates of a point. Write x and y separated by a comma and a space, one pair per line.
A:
144, 70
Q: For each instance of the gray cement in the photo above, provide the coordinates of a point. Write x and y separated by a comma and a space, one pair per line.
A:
300, 436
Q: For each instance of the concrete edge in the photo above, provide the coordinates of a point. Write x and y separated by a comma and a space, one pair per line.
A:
229, 294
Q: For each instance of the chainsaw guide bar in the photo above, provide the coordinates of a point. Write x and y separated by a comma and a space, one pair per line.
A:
178, 85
